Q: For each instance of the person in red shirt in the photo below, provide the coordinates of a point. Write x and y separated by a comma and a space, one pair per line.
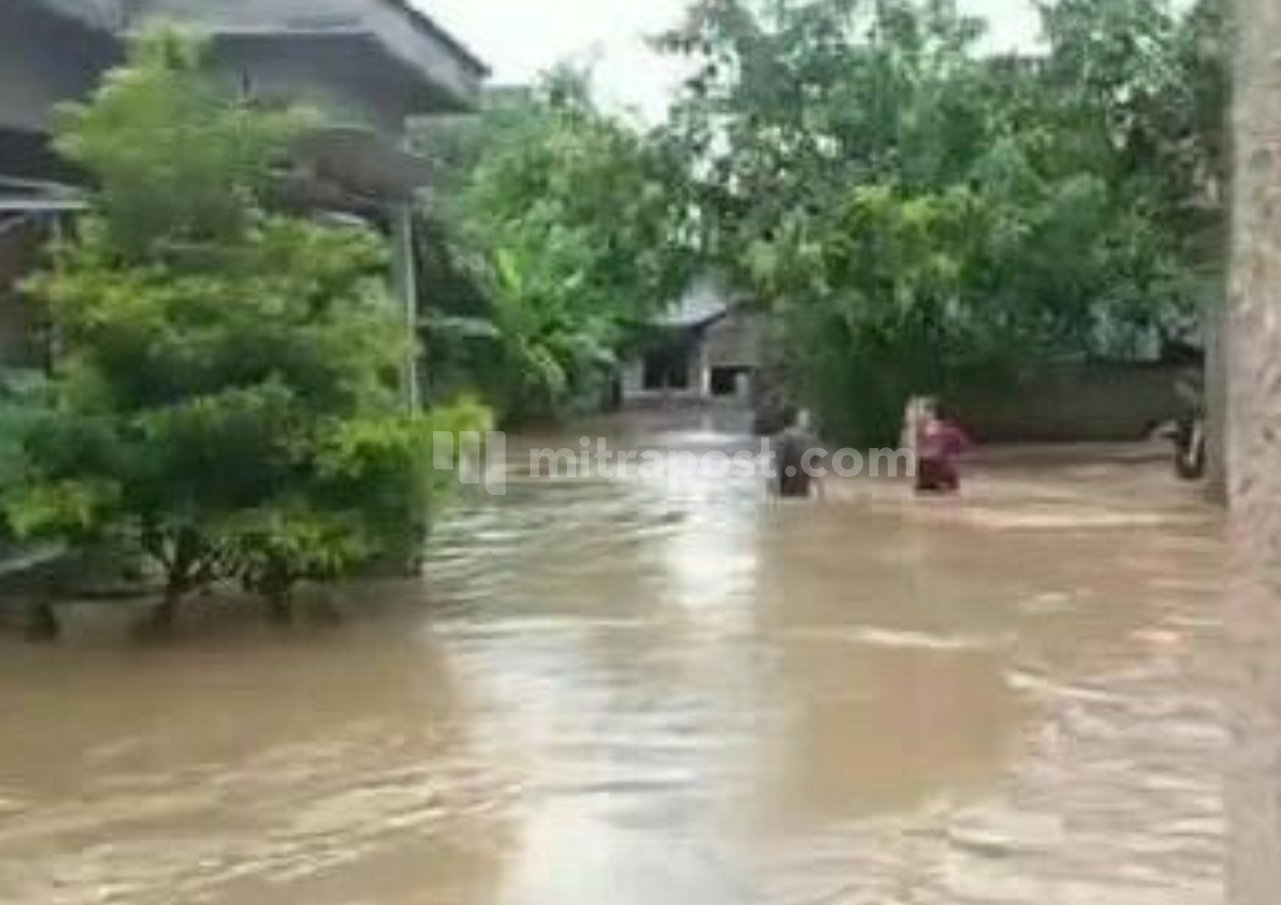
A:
939, 445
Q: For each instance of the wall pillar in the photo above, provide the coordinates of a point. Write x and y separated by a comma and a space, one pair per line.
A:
1254, 461
703, 368
1217, 357
405, 287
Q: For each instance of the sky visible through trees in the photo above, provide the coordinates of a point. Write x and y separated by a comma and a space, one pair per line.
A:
612, 35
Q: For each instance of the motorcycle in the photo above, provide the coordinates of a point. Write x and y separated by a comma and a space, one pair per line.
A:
1189, 436
1188, 433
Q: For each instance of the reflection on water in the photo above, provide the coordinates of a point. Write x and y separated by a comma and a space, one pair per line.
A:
681, 693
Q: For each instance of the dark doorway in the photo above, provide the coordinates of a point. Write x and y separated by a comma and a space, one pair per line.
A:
725, 381
667, 368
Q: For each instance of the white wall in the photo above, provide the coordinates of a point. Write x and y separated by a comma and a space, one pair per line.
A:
634, 378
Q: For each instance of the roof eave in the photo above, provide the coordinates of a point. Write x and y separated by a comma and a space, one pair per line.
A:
433, 94
480, 69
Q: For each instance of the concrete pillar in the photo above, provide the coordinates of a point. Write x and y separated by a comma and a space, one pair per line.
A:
1217, 357
1254, 460
405, 286
703, 369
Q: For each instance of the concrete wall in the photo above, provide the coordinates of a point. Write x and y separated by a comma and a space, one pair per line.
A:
1253, 695
632, 378
1070, 403
734, 341
45, 59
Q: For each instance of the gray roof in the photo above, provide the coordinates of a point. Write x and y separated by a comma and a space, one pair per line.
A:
707, 299
427, 22
401, 29
98, 13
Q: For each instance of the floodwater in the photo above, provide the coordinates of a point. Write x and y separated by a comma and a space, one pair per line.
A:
667, 692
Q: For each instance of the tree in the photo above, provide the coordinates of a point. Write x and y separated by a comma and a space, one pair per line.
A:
565, 221
1023, 208
226, 398
20, 398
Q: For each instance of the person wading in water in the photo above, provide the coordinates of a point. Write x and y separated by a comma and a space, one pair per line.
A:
795, 444
939, 445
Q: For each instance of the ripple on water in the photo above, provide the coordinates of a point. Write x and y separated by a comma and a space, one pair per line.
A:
634, 692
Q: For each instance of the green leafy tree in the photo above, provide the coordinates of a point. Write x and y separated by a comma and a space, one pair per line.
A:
226, 396
906, 209
566, 222
21, 398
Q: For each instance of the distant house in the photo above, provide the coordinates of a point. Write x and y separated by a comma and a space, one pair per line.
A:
368, 64
705, 346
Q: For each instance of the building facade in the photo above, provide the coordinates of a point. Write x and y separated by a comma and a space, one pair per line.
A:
706, 346
368, 65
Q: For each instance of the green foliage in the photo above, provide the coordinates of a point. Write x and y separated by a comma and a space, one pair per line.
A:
226, 399
565, 221
175, 161
903, 206
22, 395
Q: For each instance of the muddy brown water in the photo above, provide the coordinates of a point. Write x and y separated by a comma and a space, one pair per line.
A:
678, 692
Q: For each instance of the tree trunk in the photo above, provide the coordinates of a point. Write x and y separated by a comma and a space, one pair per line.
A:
1254, 462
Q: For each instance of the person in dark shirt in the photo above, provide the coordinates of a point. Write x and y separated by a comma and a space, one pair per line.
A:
794, 444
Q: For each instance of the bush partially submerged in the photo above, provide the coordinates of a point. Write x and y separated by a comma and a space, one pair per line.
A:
227, 397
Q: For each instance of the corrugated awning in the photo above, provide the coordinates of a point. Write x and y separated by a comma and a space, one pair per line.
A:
39, 205
22, 196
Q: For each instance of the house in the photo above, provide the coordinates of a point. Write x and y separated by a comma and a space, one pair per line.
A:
707, 345
370, 65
